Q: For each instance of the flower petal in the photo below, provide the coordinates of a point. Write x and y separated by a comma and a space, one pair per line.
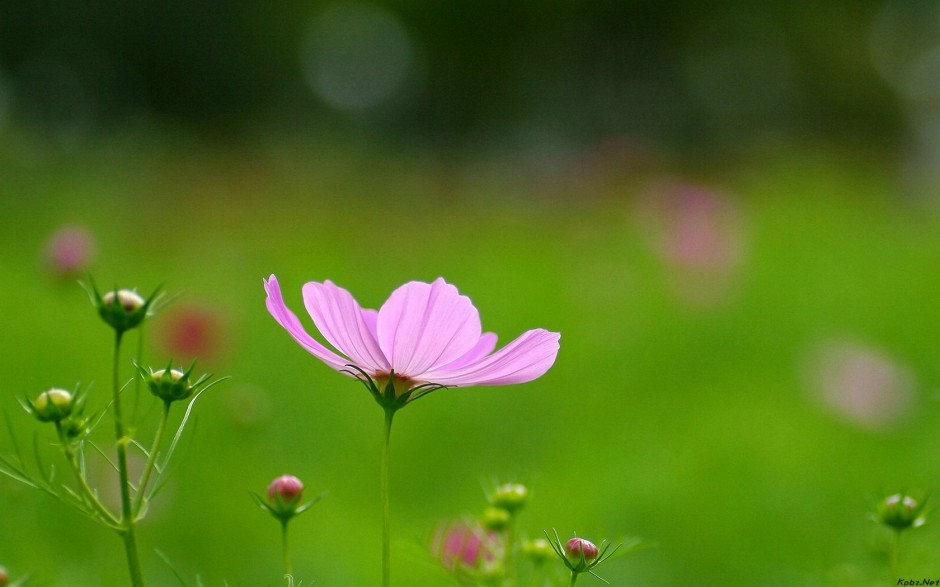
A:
524, 359
424, 325
288, 320
484, 347
340, 320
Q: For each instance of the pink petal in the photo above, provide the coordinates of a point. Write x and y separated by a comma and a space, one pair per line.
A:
371, 318
524, 359
484, 347
424, 325
288, 320
340, 320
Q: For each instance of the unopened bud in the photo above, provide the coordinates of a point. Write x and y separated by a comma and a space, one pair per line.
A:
169, 384
496, 519
580, 551
539, 550
510, 497
900, 512
123, 309
52, 405
130, 300
286, 490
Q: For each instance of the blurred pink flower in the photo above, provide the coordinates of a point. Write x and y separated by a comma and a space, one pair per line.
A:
463, 545
698, 227
424, 332
69, 251
193, 332
699, 232
861, 383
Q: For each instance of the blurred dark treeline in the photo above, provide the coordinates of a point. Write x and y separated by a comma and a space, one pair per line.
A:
681, 72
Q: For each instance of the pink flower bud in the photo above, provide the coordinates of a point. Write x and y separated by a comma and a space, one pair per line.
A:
576, 547
286, 489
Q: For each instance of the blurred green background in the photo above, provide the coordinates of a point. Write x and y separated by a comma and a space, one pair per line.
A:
730, 213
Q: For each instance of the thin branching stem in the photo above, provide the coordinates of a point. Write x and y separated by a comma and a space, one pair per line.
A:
104, 515
574, 578
128, 523
151, 460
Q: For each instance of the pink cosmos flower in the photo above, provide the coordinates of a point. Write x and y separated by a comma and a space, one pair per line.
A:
69, 251
426, 335
463, 545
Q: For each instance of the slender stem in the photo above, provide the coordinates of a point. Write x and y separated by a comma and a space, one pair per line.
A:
128, 523
386, 516
574, 578
895, 554
287, 566
137, 381
88, 493
511, 548
151, 460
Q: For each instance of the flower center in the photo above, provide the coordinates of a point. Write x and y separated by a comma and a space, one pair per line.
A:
401, 384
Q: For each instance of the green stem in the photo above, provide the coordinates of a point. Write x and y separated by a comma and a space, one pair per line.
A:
511, 548
128, 523
137, 380
287, 566
103, 512
895, 554
537, 575
151, 460
386, 516
574, 578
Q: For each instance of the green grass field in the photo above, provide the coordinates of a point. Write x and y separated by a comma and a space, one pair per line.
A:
689, 422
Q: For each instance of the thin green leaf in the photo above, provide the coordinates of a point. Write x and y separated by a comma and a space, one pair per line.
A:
173, 570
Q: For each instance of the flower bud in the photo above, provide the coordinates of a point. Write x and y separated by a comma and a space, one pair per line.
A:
169, 384
539, 550
510, 497
900, 512
580, 551
52, 405
286, 491
122, 309
496, 519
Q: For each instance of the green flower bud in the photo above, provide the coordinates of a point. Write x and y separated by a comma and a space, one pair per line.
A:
172, 385
510, 497
900, 512
538, 550
169, 385
496, 519
52, 405
122, 309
